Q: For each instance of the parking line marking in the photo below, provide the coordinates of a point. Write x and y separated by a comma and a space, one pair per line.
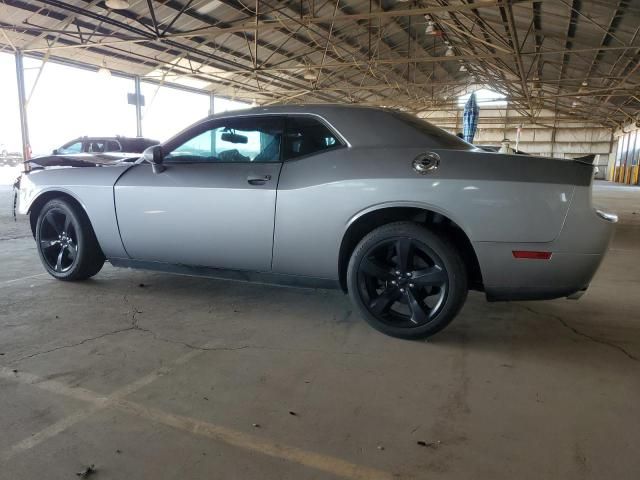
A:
99, 402
15, 280
48, 432
326, 463
333, 465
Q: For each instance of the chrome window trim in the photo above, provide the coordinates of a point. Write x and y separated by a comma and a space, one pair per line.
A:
210, 124
343, 143
239, 113
326, 123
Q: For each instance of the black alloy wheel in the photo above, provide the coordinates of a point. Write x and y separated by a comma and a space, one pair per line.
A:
407, 281
403, 281
66, 242
58, 240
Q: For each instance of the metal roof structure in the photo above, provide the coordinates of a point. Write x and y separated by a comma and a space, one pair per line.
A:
577, 57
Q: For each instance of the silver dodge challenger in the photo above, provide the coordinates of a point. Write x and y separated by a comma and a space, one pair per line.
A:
402, 215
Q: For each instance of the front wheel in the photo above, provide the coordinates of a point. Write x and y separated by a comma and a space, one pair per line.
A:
406, 281
66, 243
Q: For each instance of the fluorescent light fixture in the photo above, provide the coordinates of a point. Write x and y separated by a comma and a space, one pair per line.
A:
209, 7
117, 4
103, 71
430, 28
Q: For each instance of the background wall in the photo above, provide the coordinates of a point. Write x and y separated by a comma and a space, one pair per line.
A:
624, 162
551, 135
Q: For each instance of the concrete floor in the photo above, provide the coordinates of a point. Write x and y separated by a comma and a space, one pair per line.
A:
149, 375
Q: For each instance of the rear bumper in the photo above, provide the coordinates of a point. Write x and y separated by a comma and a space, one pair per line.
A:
575, 257
563, 275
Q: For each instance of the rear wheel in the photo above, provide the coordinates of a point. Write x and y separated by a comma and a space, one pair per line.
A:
406, 280
66, 243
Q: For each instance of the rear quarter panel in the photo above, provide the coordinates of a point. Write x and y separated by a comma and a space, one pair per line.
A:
490, 196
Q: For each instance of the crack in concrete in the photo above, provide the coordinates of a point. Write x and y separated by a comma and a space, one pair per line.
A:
19, 237
609, 344
186, 344
61, 347
133, 327
136, 326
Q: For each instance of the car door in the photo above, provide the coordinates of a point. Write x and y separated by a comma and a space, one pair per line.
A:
214, 204
312, 198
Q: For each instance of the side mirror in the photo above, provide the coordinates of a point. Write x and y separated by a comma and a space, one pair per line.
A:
155, 157
55, 152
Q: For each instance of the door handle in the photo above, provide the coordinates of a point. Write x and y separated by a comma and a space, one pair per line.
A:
258, 179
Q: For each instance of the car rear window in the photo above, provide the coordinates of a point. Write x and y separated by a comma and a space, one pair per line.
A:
306, 136
439, 137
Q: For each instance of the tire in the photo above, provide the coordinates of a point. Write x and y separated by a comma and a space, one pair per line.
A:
66, 243
407, 281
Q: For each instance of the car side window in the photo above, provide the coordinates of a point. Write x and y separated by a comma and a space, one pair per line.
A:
239, 140
70, 148
96, 146
307, 135
112, 146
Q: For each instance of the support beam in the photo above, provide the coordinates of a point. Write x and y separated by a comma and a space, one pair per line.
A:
154, 21
516, 49
138, 94
391, 64
22, 101
266, 25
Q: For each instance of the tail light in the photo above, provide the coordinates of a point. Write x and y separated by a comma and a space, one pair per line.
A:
531, 255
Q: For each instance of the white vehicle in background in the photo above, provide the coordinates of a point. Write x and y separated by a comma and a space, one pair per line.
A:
8, 158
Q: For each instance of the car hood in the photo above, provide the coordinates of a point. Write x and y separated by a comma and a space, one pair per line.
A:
83, 159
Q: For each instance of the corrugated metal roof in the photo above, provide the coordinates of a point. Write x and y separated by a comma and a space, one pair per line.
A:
578, 57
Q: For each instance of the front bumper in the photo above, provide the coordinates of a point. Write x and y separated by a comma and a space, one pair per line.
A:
15, 196
24, 193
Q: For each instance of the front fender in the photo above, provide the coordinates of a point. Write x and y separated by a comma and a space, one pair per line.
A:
91, 187
28, 195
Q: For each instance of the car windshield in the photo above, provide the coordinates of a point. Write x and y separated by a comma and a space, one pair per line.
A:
440, 137
73, 147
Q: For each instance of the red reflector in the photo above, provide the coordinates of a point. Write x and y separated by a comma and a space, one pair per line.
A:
531, 254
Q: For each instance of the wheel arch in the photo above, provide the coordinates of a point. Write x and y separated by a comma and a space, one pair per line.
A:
41, 200
368, 220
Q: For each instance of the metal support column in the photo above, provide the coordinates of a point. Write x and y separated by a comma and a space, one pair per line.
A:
138, 94
22, 100
212, 110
